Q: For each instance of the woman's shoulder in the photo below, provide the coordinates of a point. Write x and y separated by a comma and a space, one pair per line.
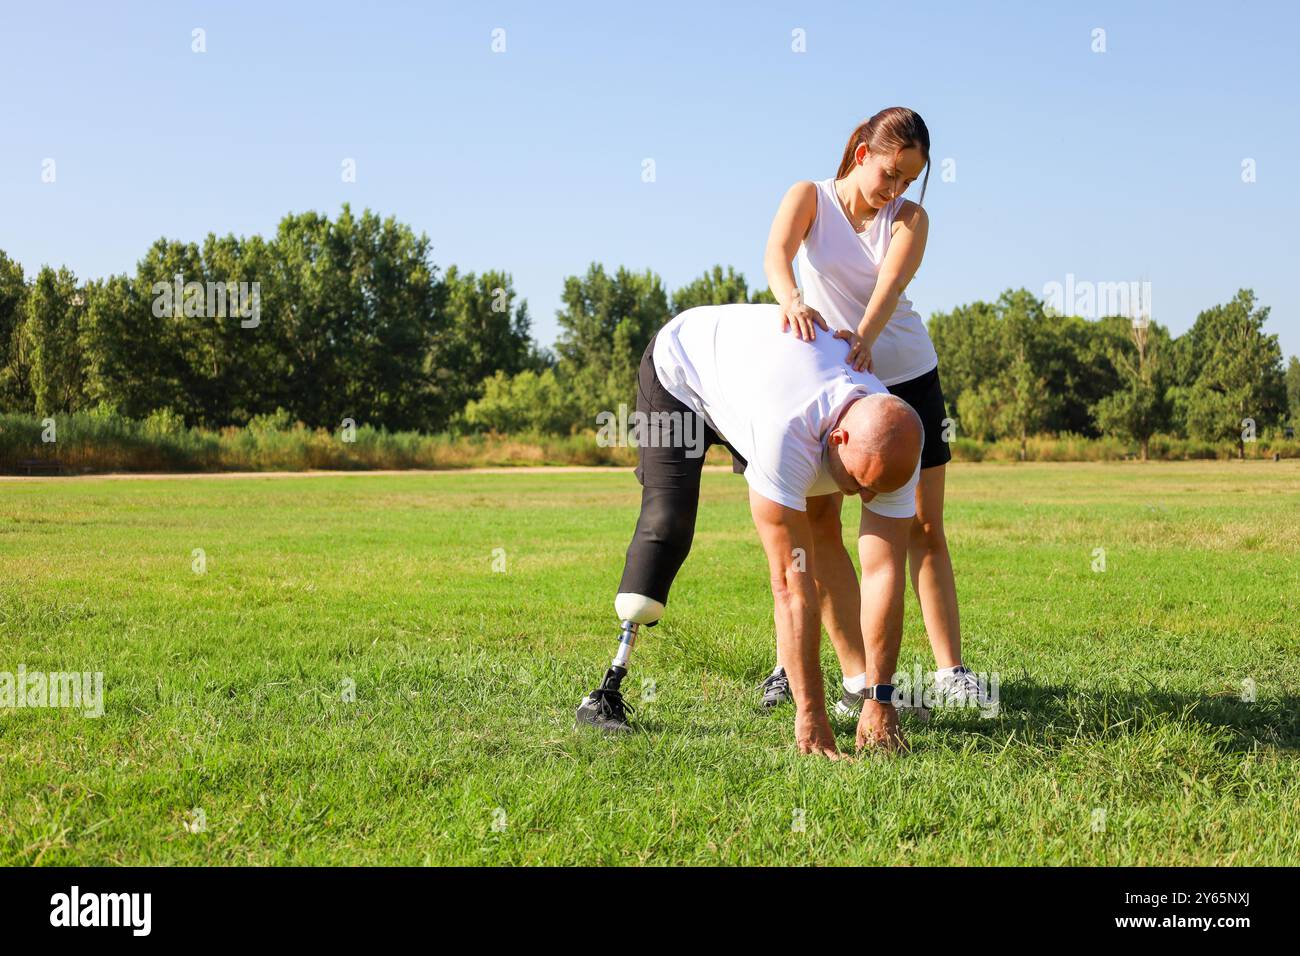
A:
804, 189
802, 195
802, 198
909, 214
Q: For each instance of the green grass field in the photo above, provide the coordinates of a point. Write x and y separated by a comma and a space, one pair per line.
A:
1121, 691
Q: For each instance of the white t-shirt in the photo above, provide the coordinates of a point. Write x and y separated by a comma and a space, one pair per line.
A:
772, 396
838, 269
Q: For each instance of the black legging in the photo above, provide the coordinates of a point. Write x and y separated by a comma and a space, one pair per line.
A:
661, 541
670, 493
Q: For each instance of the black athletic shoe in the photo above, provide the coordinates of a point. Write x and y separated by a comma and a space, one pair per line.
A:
776, 689
604, 708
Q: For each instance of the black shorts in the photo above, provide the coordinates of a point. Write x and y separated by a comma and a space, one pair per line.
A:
925, 395
674, 456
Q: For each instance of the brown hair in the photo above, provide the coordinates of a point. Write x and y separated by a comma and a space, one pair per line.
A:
893, 129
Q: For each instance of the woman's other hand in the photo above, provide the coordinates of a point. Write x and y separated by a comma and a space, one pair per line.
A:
859, 351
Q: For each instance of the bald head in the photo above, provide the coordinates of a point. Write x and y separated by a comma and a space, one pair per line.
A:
878, 440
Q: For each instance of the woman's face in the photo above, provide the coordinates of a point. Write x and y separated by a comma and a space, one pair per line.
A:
882, 176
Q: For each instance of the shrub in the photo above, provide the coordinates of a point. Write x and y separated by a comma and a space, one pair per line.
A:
101, 440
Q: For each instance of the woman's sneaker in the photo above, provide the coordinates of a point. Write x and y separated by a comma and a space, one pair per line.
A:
960, 688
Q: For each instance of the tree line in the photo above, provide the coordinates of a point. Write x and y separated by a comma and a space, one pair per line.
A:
350, 319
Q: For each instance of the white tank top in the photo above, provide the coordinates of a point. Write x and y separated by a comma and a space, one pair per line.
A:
838, 268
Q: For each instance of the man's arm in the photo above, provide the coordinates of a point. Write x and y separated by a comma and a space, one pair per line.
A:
837, 583
882, 549
787, 540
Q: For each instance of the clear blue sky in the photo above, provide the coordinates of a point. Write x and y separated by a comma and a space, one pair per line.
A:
1115, 166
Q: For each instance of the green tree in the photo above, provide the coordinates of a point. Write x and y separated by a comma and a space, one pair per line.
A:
15, 386
1026, 409
356, 308
1293, 389
51, 341
995, 360
1035, 354
485, 332
146, 353
112, 335
1139, 407
1239, 384
1076, 360
1010, 405
969, 342
977, 412
529, 401
606, 324
241, 370
713, 288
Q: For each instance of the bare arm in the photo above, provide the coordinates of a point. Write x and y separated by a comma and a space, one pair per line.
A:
794, 217
787, 541
882, 550
906, 250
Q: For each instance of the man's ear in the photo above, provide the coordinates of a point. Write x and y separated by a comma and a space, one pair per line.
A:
838, 436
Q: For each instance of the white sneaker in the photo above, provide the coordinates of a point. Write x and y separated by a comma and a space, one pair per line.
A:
960, 688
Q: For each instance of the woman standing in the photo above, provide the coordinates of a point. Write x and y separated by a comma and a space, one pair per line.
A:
858, 243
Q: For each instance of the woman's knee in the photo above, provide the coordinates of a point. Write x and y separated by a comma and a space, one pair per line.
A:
928, 533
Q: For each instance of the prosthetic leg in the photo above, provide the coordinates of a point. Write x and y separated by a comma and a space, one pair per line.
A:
659, 546
604, 708
669, 474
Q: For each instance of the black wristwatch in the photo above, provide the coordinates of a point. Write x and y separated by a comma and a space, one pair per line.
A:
882, 693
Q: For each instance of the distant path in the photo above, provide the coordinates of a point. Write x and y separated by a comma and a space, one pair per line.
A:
170, 476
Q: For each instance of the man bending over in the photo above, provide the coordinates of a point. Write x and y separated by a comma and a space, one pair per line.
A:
800, 424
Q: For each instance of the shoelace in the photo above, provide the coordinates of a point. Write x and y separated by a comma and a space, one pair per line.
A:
611, 703
967, 682
777, 682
